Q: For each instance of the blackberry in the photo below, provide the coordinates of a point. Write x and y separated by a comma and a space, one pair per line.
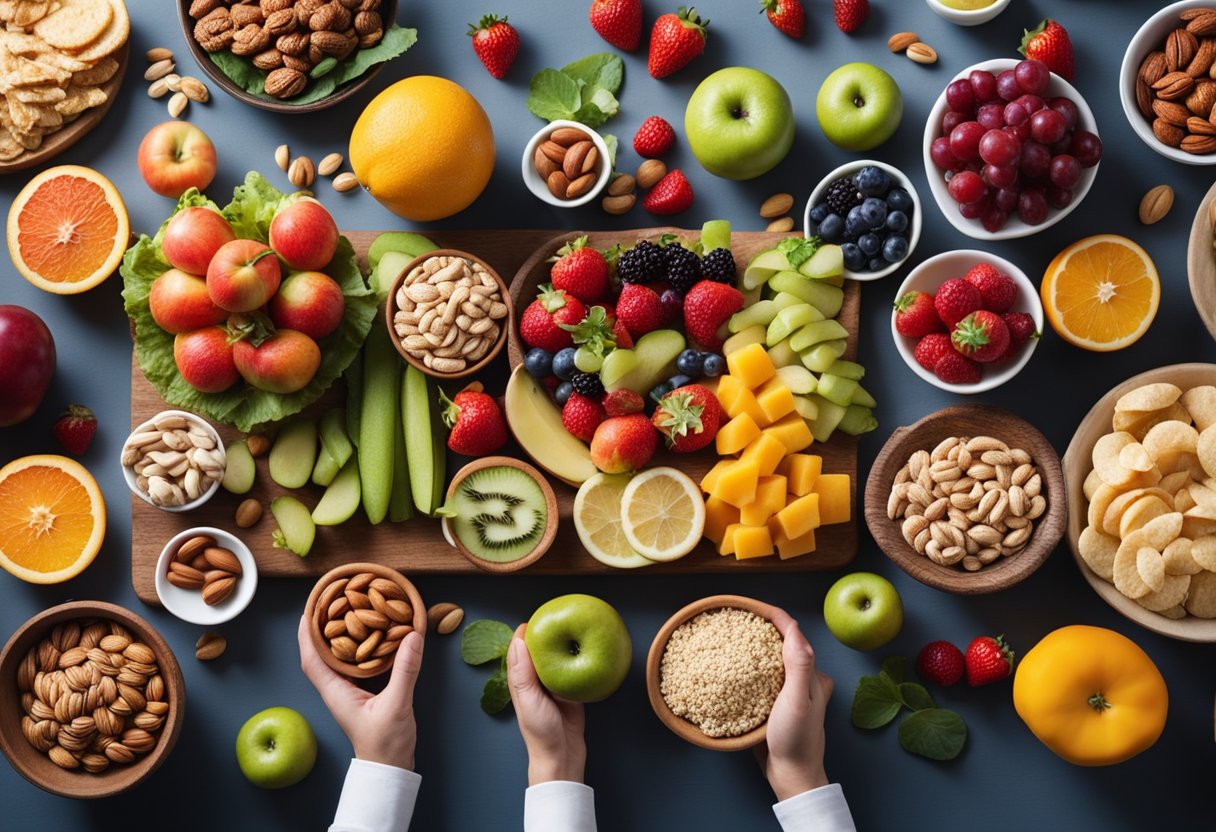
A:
842, 195
644, 263
587, 384
683, 268
718, 266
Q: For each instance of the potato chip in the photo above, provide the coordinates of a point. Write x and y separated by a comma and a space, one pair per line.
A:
1161, 531
39, 95
1195, 528
1151, 567
1135, 457
1172, 482
76, 24
1202, 494
1201, 595
1106, 457
1141, 512
1126, 575
1098, 551
96, 75
10, 148
1168, 440
1200, 402
1203, 552
24, 12
1200, 511
1149, 397
1103, 497
1177, 558
1171, 594
1205, 450
1092, 481
1175, 613
1183, 501
112, 38
1138, 423
80, 99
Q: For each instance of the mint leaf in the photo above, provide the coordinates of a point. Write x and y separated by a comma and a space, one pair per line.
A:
876, 702
935, 733
611, 143
915, 696
603, 99
896, 667
553, 95
798, 250
590, 115
484, 641
602, 69
496, 695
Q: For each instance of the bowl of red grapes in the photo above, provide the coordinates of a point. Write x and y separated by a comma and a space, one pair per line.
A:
1010, 149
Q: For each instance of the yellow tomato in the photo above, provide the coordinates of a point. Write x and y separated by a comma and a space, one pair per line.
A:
1091, 695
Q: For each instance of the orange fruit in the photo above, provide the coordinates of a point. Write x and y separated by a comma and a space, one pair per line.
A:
52, 518
67, 229
424, 148
1101, 293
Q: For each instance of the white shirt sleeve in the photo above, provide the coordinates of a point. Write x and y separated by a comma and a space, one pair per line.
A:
818, 810
559, 806
376, 798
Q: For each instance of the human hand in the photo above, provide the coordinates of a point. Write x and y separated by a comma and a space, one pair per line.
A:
792, 754
552, 728
381, 727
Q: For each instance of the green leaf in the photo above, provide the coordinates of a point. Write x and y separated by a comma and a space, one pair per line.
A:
590, 115
876, 702
484, 641
553, 95
254, 204
915, 696
496, 695
611, 142
896, 667
935, 733
798, 250
602, 69
603, 99
323, 67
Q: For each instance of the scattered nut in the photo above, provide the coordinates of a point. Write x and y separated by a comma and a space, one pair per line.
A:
195, 90
158, 88
210, 646
177, 104
1156, 204
282, 157
301, 172
174, 82
922, 53
344, 182
444, 618
158, 53
330, 164
900, 41
621, 184
782, 225
649, 173
257, 443
776, 206
617, 205
248, 513
159, 69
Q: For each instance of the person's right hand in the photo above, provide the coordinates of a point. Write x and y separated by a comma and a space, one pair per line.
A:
792, 754
552, 728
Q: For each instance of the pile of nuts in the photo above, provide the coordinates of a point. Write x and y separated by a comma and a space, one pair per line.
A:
776, 209
164, 81
363, 619
301, 171
449, 313
287, 38
92, 695
200, 564
176, 460
970, 501
909, 43
569, 162
621, 197
1176, 86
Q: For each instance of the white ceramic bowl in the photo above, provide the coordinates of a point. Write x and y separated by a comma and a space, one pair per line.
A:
1014, 227
850, 168
537, 185
1152, 37
968, 18
937, 270
187, 604
128, 473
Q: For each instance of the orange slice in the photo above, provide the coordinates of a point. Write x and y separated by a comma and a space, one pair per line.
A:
67, 229
52, 518
1101, 293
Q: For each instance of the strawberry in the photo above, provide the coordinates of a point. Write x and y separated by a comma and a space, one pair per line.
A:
1021, 327
787, 15
654, 138
581, 271
688, 417
850, 14
74, 429
618, 21
988, 660
1049, 42
620, 335
675, 39
640, 309
707, 306
476, 422
496, 43
915, 315
624, 443
541, 323
998, 292
981, 336
623, 402
670, 195
581, 416
930, 349
956, 368
955, 300
940, 662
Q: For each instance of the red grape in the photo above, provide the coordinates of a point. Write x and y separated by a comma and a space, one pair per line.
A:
1032, 76
1030, 103
1007, 199
1068, 110
1015, 113
1007, 85
1065, 171
941, 154
977, 209
983, 85
1036, 158
1021, 132
1059, 197
1047, 126
960, 98
994, 219
1001, 177
1032, 207
967, 186
965, 140
991, 116
997, 147
1086, 148
951, 120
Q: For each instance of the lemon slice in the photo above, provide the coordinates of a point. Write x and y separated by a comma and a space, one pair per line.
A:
597, 519
662, 514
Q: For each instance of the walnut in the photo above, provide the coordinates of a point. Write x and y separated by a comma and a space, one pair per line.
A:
214, 31
285, 83
269, 7
281, 22
368, 22
298, 64
243, 14
250, 40
293, 44
305, 8
328, 43
351, 44
268, 60
333, 16
370, 40
315, 55
201, 8
369, 5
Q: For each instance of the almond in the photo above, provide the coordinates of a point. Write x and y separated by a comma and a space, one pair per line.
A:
436, 613
568, 136
1171, 112
900, 41
621, 184
649, 173
184, 577
1168, 134
248, 513
360, 582
1174, 85
1200, 126
781, 226
448, 624
195, 90
1205, 56
399, 611
572, 162
1202, 24
391, 590
158, 53
343, 648
257, 443
282, 158
1144, 99
329, 594
193, 546
221, 558
344, 182
776, 205
922, 53
1202, 98
1153, 67
330, 164
159, 69
358, 600
1156, 204
554, 151
216, 592
581, 186
301, 172
373, 619
333, 629
209, 647
364, 651
557, 184
1180, 49
1198, 145
620, 204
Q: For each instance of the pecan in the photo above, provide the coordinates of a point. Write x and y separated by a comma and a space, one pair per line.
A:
1198, 145
298, 64
352, 43
268, 60
1174, 85
1168, 134
369, 5
368, 22
1205, 56
214, 31
329, 43
1200, 126
281, 22
333, 16
1202, 24
1153, 68
305, 8
370, 40
243, 14
285, 83
1180, 49
269, 7
201, 8
1202, 98
315, 55
1171, 112
250, 40
293, 44
1144, 99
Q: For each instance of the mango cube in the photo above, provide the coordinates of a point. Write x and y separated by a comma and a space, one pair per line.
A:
719, 516
770, 499
737, 483
735, 435
767, 452
835, 498
745, 402
775, 399
729, 389
727, 546
801, 470
751, 365
799, 517
791, 430
752, 542
710, 480
787, 548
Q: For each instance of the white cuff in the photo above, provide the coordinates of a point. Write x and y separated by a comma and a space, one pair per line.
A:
376, 798
818, 810
559, 806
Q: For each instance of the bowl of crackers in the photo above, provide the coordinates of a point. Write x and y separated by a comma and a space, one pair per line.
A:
1141, 479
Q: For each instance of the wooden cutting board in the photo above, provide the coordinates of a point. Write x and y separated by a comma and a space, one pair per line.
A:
417, 546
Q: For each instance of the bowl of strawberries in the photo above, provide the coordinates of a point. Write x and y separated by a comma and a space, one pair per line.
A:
966, 321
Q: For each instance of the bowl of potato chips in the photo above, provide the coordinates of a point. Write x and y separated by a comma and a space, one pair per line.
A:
1141, 478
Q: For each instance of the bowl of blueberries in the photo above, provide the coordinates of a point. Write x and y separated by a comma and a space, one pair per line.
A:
871, 211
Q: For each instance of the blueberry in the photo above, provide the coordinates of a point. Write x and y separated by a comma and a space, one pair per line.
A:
899, 200
895, 249
820, 212
831, 230
874, 212
689, 363
563, 364
854, 260
714, 366
660, 390
563, 391
897, 221
869, 244
872, 181
538, 362
856, 224
875, 264
678, 380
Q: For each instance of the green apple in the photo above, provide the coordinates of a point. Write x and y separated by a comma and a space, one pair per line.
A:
580, 647
276, 748
739, 123
863, 611
859, 106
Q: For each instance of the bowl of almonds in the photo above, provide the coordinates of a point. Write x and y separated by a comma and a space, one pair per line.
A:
359, 613
566, 164
174, 461
206, 576
93, 700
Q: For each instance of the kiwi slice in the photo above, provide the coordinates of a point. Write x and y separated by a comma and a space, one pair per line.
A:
500, 513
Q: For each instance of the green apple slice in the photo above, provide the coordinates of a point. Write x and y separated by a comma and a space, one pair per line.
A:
827, 262
341, 500
334, 440
391, 265
782, 354
763, 266
655, 354
806, 408
862, 397
829, 417
848, 369
820, 357
817, 332
296, 531
857, 420
325, 470
818, 293
398, 242
715, 234
799, 379
790, 320
616, 364
536, 424
761, 312
784, 300
294, 453
239, 469
741, 339
837, 389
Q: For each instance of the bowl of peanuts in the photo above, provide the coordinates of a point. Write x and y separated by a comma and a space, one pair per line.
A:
174, 461
968, 500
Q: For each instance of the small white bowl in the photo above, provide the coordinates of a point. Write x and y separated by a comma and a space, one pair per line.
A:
187, 604
963, 17
1014, 227
128, 473
1152, 37
937, 270
537, 185
850, 168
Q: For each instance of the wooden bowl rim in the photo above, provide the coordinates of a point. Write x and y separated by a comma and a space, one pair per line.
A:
390, 307
115, 779
1007, 571
1201, 263
345, 571
681, 727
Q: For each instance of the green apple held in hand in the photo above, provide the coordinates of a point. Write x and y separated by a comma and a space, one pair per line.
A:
739, 123
859, 106
276, 748
580, 647
863, 611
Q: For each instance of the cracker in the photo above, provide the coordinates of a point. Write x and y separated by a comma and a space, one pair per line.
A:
112, 39
76, 24
79, 99
96, 75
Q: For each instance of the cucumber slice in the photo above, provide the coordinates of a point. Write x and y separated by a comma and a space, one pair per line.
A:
848, 369
789, 320
294, 453
857, 420
829, 417
821, 356
837, 389
817, 332
341, 500
761, 312
424, 440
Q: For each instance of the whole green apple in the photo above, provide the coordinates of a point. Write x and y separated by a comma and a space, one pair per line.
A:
276, 748
580, 647
739, 123
859, 106
863, 611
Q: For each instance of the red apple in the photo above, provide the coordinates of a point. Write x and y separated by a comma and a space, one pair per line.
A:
179, 303
204, 358
243, 275
305, 235
309, 302
193, 237
283, 363
27, 363
176, 156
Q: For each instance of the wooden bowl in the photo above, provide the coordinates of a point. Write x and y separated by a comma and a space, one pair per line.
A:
390, 309
654, 660
35, 766
1077, 464
551, 514
388, 12
1201, 263
314, 615
966, 420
